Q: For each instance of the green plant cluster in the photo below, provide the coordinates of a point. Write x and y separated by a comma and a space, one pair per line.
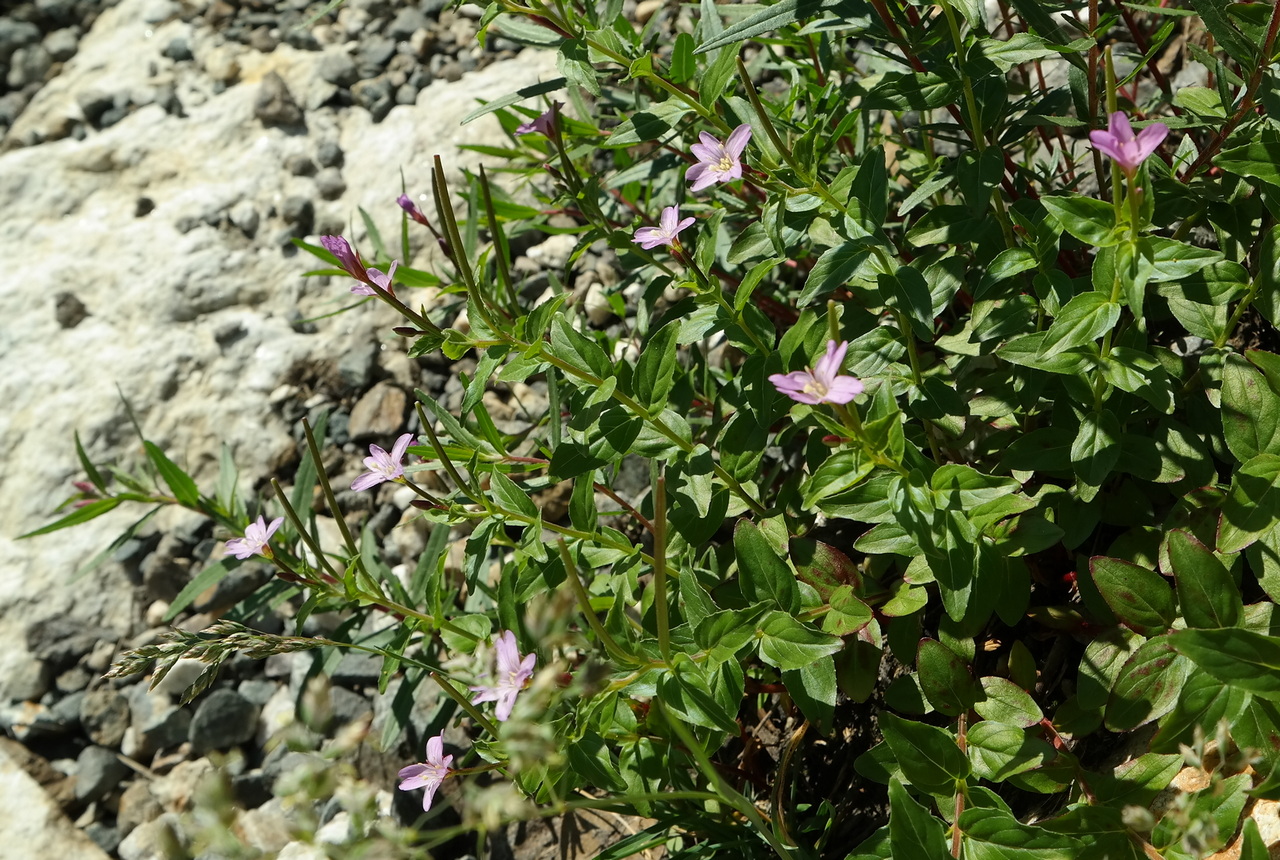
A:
928, 623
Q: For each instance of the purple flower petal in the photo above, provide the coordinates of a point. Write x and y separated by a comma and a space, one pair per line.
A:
738, 139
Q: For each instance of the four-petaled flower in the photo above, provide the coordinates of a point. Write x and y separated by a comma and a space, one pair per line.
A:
377, 277
1124, 147
665, 233
543, 124
824, 384
383, 466
513, 673
717, 162
255, 539
411, 209
428, 774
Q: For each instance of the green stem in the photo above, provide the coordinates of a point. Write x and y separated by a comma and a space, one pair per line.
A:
464, 703
1241, 307
914, 359
430, 430
584, 602
660, 566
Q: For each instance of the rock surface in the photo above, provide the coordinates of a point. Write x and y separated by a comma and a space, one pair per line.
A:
32, 824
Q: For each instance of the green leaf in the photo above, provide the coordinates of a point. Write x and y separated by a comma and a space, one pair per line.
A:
994, 834
1206, 592
1140, 598
572, 347
574, 63
1089, 220
531, 91
770, 18
1017, 49
1096, 449
1081, 321
1138, 781
813, 689
184, 489
1246, 660
656, 369
1006, 702
998, 751
837, 473
685, 690
80, 515
95, 477
1250, 510
823, 566
210, 576
928, 756
683, 66
589, 757
1148, 685
509, 494
788, 643
1204, 702
765, 577
833, 269
848, 614
945, 679
1250, 410
913, 831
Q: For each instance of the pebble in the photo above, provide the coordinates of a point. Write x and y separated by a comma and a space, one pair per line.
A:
375, 96
29, 65
104, 713
178, 50
300, 213
244, 215
61, 640
152, 840
337, 67
223, 720
378, 415
330, 184
98, 771
274, 105
329, 154
137, 806
62, 44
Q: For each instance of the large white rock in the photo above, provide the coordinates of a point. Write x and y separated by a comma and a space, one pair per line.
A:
32, 824
191, 327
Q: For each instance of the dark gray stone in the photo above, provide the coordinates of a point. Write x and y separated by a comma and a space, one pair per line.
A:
29, 65
11, 106
264, 39
356, 669
158, 723
275, 105
374, 54
234, 587
223, 720
106, 837
257, 690
104, 713
347, 707
338, 68
145, 206
376, 96
299, 213
68, 310
15, 34
330, 184
252, 789
113, 116
59, 13
406, 94
355, 367
29, 681
73, 680
98, 771
66, 711
178, 50
94, 104
329, 154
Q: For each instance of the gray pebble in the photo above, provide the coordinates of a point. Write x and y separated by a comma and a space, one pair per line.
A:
275, 105
375, 96
68, 310
407, 22
374, 54
300, 213
245, 216
98, 771
104, 713
330, 184
14, 34
29, 65
94, 104
406, 94
337, 67
300, 165
329, 154
223, 720
62, 640
62, 44
177, 50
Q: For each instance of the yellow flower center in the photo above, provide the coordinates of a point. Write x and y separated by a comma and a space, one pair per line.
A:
725, 164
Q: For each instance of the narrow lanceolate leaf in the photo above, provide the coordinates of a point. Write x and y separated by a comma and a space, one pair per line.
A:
184, 489
770, 18
1207, 593
1244, 659
1140, 598
79, 515
913, 831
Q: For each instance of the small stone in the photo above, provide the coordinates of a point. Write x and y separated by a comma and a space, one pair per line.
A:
104, 713
265, 828
93, 105
347, 706
157, 724
155, 840
357, 670
375, 96
407, 22
223, 720
106, 837
646, 8
137, 806
378, 415
14, 34
159, 11
62, 44
98, 771
597, 306
329, 154
330, 184
58, 12
29, 65
27, 682
66, 711
274, 105
337, 67
300, 213
300, 165
143, 207
406, 94
451, 71
264, 39
62, 640
355, 366
30, 721
251, 789
73, 680
244, 215
178, 50
374, 54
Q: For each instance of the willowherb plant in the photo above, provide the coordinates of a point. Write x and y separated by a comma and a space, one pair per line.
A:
961, 449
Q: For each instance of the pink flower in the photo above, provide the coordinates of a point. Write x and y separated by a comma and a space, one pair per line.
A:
825, 384
255, 539
428, 774
717, 162
1123, 146
543, 124
383, 466
513, 674
665, 234
348, 260
376, 277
